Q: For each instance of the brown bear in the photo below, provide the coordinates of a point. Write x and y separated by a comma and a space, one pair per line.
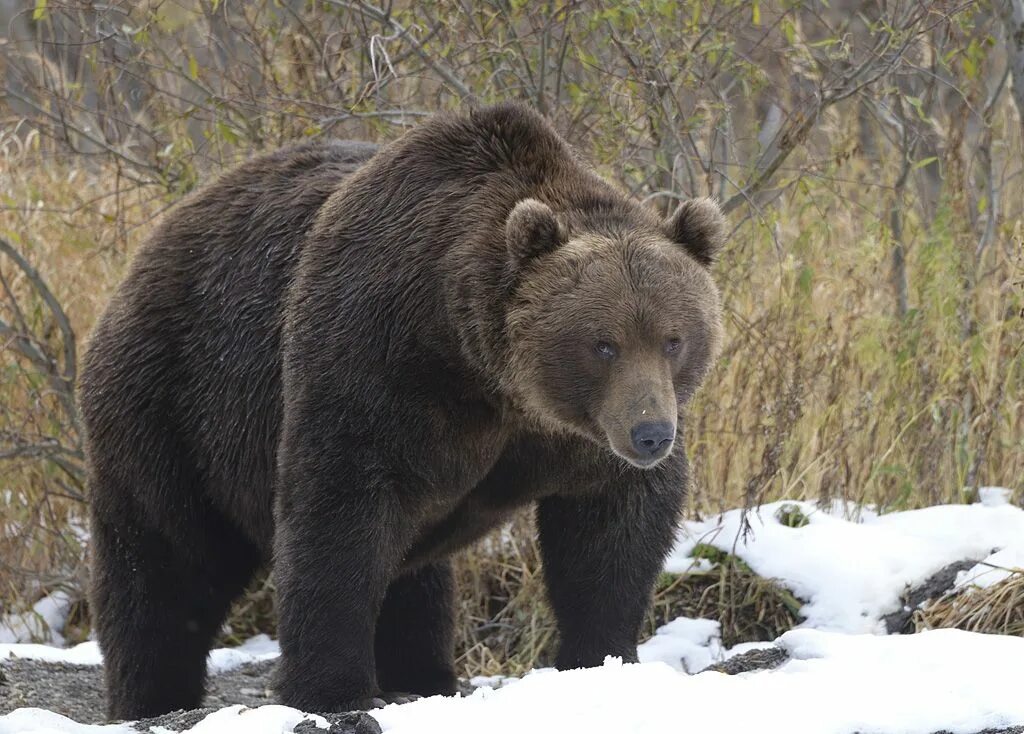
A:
354, 362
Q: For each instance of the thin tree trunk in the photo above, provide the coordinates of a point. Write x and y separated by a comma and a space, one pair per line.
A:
1013, 19
898, 271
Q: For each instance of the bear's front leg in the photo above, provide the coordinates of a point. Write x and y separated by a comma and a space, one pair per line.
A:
602, 552
415, 641
336, 551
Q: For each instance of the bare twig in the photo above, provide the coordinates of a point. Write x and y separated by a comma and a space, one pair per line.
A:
61, 373
439, 67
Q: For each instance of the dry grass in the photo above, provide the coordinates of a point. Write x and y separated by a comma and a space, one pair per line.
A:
504, 627
748, 607
996, 609
822, 392
77, 235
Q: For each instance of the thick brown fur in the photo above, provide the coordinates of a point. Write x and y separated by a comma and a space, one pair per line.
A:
354, 366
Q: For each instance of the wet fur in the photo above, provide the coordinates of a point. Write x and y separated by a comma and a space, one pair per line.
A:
343, 364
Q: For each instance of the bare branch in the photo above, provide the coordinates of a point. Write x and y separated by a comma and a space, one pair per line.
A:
70, 368
436, 65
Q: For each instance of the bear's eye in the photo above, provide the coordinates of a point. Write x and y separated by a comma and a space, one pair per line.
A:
605, 350
672, 345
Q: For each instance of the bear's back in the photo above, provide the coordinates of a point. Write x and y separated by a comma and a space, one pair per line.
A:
193, 332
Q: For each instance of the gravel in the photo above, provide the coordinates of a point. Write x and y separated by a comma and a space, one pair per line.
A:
76, 691
747, 662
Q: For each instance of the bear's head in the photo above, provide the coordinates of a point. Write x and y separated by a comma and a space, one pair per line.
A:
615, 320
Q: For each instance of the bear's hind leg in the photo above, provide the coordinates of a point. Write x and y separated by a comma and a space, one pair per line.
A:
157, 614
414, 643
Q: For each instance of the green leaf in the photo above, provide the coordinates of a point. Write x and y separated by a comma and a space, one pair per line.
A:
756, 13
789, 30
970, 67
709, 552
925, 162
40, 10
193, 67
805, 281
227, 134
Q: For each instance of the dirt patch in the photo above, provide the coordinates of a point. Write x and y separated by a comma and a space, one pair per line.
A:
248, 684
748, 662
176, 720
902, 621
355, 722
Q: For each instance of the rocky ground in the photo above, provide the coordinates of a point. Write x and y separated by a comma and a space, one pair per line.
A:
76, 691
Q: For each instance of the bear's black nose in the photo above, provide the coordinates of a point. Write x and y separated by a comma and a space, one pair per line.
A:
652, 438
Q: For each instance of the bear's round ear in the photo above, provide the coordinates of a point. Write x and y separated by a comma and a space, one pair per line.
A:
698, 225
531, 230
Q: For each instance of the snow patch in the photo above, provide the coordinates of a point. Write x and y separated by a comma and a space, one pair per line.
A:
221, 660
687, 645
43, 623
253, 650
999, 566
270, 719
85, 653
994, 496
853, 573
243, 720
836, 684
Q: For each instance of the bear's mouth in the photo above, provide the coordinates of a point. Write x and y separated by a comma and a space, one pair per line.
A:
643, 462
634, 459
646, 463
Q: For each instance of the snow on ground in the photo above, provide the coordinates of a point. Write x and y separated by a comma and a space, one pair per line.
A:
44, 622
843, 676
221, 660
252, 650
835, 683
85, 653
851, 573
690, 645
230, 720
997, 567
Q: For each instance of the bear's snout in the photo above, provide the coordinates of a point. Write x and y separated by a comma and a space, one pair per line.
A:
652, 439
